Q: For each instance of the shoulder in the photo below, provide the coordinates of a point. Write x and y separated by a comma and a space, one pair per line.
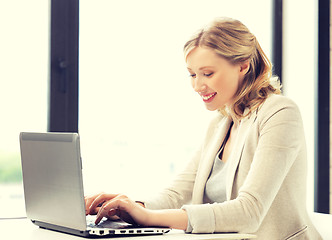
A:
279, 106
278, 101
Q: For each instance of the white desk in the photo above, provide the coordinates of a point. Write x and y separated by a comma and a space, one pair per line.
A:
24, 229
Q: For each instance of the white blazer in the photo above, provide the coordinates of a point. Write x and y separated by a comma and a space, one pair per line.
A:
266, 178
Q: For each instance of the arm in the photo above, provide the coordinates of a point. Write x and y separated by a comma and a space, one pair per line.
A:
114, 205
173, 218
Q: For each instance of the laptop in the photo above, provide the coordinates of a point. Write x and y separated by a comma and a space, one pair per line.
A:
53, 188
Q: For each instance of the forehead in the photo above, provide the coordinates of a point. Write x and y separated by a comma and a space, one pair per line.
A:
201, 57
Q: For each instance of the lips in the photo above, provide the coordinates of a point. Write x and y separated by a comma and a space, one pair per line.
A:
208, 97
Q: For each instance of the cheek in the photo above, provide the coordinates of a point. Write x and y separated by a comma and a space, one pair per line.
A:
192, 82
233, 80
228, 84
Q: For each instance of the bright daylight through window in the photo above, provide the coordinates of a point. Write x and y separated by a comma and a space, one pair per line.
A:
23, 90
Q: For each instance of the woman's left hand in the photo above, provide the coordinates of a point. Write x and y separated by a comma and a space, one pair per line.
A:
117, 206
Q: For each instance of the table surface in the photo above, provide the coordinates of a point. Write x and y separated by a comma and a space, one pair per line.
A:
24, 229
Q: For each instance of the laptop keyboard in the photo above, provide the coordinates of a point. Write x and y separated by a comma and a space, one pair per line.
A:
106, 223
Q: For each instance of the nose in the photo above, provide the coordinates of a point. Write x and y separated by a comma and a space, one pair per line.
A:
198, 84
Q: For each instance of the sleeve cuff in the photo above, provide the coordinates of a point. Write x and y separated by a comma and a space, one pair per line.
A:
201, 218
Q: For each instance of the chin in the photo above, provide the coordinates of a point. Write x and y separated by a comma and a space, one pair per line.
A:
211, 108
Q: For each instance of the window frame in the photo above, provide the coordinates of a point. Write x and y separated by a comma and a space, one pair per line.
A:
322, 109
64, 50
277, 38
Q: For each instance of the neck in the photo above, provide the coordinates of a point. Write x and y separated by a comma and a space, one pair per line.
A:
236, 120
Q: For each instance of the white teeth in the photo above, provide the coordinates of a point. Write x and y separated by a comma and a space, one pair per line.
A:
208, 96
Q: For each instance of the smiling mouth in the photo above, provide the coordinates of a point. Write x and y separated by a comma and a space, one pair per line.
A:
209, 97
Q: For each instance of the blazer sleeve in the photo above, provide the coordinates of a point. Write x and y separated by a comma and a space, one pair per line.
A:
280, 139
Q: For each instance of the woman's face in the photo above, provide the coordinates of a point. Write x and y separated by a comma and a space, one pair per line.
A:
214, 78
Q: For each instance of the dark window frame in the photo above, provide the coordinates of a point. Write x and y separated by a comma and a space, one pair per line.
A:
64, 50
277, 38
322, 112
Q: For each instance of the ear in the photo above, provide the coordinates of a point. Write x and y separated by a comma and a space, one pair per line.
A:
244, 67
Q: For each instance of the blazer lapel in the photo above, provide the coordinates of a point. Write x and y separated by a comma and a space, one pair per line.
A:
208, 160
235, 157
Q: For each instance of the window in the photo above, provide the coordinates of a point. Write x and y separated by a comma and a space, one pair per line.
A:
139, 118
23, 93
296, 47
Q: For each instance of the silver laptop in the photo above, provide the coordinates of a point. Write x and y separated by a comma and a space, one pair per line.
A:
53, 188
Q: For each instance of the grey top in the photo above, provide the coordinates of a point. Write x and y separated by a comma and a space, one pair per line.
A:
215, 188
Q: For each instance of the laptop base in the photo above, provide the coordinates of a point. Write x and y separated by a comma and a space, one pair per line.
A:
103, 232
57, 228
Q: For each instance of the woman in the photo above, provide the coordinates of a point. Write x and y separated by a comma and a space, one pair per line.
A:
250, 173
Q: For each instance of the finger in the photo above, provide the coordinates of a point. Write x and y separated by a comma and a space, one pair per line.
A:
88, 202
103, 213
113, 207
112, 216
99, 200
109, 208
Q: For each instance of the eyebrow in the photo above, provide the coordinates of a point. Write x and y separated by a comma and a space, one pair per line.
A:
202, 68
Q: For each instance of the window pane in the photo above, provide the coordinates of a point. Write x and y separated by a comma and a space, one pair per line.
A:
23, 90
293, 45
140, 120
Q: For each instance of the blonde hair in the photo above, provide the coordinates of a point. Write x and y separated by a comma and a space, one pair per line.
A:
233, 41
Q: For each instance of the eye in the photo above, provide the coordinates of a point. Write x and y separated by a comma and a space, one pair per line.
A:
208, 74
192, 75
